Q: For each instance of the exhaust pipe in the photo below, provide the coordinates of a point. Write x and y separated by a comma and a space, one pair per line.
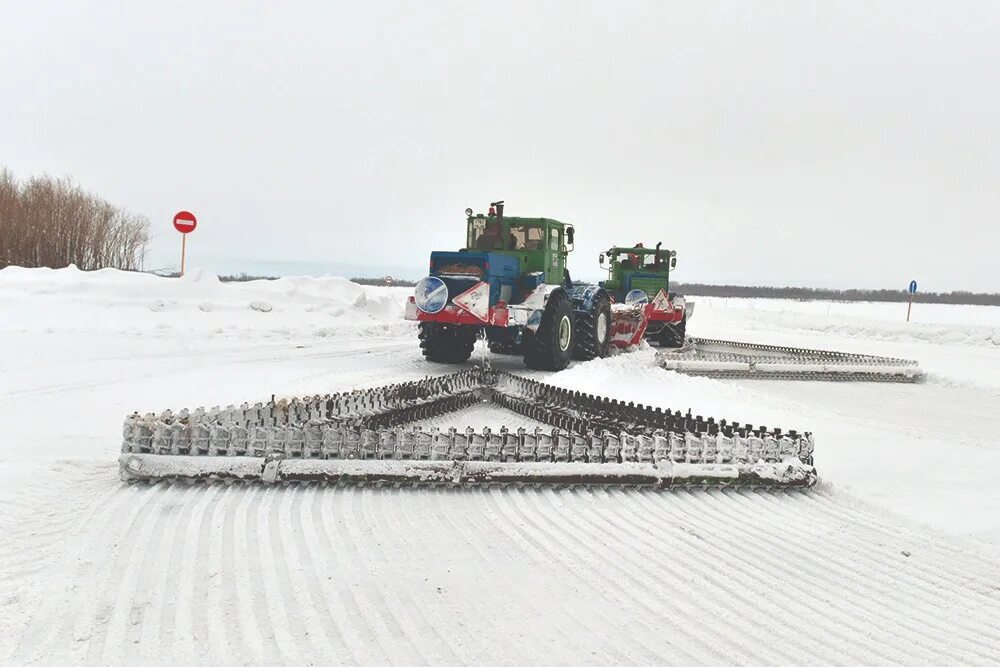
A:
656, 261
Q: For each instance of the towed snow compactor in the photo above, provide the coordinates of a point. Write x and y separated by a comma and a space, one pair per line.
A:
736, 359
383, 435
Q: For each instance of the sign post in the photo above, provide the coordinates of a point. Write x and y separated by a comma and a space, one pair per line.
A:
912, 290
185, 223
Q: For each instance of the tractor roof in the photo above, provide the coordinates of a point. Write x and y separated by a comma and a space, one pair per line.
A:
514, 220
620, 250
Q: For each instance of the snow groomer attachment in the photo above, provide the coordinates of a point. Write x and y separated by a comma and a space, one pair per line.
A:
554, 436
732, 359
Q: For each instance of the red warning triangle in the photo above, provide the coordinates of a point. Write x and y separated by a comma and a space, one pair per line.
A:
475, 300
662, 302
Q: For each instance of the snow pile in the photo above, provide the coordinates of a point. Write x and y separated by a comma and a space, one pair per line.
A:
117, 301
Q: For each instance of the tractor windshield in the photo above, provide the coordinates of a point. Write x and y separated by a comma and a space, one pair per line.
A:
524, 237
645, 260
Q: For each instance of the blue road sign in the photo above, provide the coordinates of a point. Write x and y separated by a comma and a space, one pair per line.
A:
913, 287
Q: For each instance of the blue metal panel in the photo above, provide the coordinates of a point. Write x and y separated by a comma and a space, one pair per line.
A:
503, 266
462, 270
527, 285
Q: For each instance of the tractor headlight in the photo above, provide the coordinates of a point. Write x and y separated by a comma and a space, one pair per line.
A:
431, 295
636, 298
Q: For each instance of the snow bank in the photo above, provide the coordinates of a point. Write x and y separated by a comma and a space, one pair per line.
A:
109, 300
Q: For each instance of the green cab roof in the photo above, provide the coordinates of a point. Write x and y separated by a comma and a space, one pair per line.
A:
513, 220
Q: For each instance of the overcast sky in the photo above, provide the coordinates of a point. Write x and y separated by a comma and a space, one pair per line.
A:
842, 144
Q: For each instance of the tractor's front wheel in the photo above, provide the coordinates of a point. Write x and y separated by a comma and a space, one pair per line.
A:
445, 343
593, 330
551, 347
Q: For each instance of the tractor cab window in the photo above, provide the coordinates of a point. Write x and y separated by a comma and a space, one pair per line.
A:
523, 237
554, 240
477, 227
645, 262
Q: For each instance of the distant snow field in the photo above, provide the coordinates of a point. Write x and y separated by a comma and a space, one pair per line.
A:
893, 558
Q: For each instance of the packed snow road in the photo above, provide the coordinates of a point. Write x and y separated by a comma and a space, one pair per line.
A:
892, 559
304, 574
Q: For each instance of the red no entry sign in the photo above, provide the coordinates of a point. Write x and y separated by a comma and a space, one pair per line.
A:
185, 222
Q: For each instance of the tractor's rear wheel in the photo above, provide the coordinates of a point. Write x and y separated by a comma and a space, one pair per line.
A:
551, 347
593, 330
445, 343
672, 334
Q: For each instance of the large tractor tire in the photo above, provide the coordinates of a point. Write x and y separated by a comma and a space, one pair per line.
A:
551, 347
593, 330
447, 343
672, 335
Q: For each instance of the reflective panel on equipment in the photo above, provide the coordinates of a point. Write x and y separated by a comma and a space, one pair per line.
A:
431, 295
636, 298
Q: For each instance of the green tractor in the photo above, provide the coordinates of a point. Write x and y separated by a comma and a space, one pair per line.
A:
639, 274
510, 283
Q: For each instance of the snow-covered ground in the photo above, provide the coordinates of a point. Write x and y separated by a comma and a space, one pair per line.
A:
893, 558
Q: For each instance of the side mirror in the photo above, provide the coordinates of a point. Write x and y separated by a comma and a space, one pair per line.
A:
673, 262
600, 259
569, 235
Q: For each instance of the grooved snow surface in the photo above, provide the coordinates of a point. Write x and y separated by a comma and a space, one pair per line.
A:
893, 559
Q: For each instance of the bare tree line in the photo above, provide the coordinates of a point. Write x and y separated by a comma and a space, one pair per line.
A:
54, 223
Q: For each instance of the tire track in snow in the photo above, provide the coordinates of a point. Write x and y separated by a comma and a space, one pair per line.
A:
811, 559
150, 605
595, 623
370, 625
735, 615
878, 527
881, 597
217, 570
743, 551
577, 529
887, 573
332, 607
475, 538
423, 619
540, 539
385, 599
57, 614
745, 555
300, 579
34, 528
869, 608
274, 601
247, 631
120, 595
191, 573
